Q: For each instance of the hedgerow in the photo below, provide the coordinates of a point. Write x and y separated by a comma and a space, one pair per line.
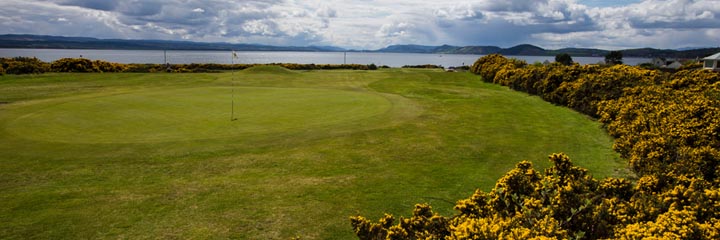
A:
666, 125
671, 128
86, 65
564, 202
422, 66
23, 65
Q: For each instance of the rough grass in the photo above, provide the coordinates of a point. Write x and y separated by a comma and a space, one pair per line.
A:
377, 141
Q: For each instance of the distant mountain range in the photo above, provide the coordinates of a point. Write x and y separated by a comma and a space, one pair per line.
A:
531, 50
41, 41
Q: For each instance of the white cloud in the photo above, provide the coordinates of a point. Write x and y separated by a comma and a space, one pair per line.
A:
459, 12
374, 24
326, 12
259, 27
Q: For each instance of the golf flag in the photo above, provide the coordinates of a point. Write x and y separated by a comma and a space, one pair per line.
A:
234, 55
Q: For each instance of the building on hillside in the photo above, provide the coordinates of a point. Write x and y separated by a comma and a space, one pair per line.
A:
658, 61
673, 64
712, 62
663, 63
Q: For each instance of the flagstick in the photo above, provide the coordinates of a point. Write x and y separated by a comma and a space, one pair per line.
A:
232, 87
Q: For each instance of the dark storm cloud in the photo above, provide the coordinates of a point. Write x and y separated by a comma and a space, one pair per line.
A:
694, 24
506, 23
92, 4
511, 6
186, 19
140, 8
172, 15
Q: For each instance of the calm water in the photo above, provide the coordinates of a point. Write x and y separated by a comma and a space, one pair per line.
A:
390, 59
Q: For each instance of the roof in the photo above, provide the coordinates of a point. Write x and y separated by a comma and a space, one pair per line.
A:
713, 57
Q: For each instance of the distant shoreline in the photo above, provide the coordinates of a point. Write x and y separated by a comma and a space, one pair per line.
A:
15, 41
264, 57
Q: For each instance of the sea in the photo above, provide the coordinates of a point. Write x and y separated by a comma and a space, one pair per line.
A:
251, 57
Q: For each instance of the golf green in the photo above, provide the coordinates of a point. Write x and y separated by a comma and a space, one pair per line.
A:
195, 113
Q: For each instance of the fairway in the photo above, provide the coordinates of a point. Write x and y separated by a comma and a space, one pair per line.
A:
194, 113
156, 155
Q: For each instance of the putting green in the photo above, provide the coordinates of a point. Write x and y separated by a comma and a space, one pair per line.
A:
194, 113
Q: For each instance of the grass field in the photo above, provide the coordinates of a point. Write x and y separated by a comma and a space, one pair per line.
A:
139, 156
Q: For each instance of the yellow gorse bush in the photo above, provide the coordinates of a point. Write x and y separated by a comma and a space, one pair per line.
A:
86, 65
23, 65
666, 125
565, 202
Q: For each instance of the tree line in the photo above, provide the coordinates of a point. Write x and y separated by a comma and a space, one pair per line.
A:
667, 125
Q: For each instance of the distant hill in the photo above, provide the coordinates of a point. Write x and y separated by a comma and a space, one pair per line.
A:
588, 52
532, 50
524, 49
446, 49
40, 41
478, 50
408, 49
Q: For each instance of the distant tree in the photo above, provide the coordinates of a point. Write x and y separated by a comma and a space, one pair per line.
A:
614, 57
564, 59
73, 65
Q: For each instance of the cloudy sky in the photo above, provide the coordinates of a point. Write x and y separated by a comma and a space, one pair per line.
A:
373, 24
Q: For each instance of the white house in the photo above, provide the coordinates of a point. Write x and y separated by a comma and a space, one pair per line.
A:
712, 62
674, 65
663, 63
658, 62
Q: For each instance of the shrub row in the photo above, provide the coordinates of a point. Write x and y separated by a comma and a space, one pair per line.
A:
671, 128
666, 125
24, 65
564, 202
86, 65
422, 66
579, 87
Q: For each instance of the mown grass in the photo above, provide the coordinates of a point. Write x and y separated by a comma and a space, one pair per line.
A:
420, 136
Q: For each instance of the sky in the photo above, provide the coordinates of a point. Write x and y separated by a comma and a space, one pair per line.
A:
374, 24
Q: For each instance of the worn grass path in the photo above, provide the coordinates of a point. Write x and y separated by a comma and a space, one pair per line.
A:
143, 156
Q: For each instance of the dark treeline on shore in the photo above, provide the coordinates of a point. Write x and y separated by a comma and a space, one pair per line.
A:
57, 42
